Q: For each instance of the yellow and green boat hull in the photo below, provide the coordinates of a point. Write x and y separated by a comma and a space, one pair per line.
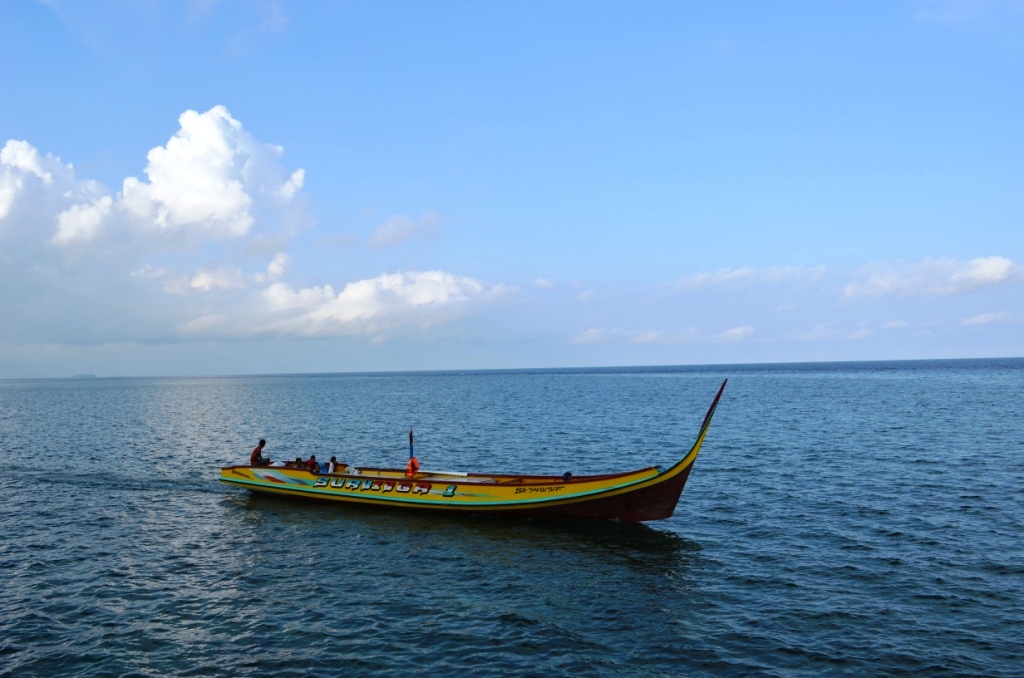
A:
644, 494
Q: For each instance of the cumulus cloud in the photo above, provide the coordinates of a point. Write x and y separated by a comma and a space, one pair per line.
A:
276, 268
208, 178
195, 249
366, 306
82, 221
40, 193
746, 276
371, 299
209, 182
402, 228
206, 280
931, 277
18, 162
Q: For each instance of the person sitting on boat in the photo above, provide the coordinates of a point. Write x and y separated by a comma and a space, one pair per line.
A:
333, 465
312, 466
412, 468
298, 463
257, 458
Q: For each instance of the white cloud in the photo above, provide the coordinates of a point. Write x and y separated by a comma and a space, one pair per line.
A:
212, 181
9, 187
589, 336
151, 272
276, 268
292, 186
735, 334
895, 325
200, 248
402, 228
20, 155
82, 221
206, 280
983, 271
36, 188
992, 318
196, 250
931, 277
742, 277
649, 337
368, 306
208, 179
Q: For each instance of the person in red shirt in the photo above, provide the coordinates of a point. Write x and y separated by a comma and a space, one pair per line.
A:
257, 458
312, 464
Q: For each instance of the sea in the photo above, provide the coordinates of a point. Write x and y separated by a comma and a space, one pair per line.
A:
842, 519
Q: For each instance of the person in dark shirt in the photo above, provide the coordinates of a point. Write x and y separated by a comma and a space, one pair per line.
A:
257, 458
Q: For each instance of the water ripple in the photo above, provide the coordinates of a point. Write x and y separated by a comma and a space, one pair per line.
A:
842, 520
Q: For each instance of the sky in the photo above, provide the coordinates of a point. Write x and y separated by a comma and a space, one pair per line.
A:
209, 187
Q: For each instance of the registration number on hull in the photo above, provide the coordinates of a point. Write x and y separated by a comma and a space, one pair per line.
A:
381, 486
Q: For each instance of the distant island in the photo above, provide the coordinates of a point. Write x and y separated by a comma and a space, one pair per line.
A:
84, 376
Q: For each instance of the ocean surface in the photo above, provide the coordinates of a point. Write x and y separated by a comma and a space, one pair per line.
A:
842, 519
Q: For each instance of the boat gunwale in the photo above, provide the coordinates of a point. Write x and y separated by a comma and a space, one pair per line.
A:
514, 479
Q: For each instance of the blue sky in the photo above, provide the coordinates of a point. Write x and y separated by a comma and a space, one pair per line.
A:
259, 187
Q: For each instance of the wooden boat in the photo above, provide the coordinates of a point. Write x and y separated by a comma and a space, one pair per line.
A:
645, 494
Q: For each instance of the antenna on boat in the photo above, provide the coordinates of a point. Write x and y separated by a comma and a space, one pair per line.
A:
410, 444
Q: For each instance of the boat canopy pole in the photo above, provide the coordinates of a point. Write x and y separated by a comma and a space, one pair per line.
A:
410, 444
